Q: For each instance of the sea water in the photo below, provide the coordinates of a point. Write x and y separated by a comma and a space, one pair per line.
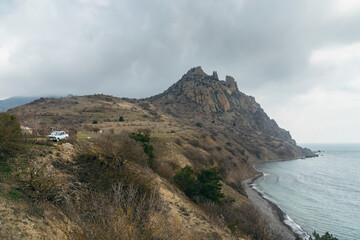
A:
317, 194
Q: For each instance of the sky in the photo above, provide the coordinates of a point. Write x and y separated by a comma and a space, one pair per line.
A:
299, 59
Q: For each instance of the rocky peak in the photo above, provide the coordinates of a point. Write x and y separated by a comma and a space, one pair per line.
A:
231, 83
215, 75
206, 98
195, 72
207, 93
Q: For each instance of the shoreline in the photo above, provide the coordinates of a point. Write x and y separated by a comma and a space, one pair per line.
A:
269, 211
282, 160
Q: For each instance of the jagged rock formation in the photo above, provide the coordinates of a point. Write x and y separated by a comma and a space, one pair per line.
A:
199, 97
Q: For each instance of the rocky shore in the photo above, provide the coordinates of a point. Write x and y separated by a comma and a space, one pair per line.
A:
270, 212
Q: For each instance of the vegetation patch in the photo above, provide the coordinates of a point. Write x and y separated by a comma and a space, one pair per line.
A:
10, 136
15, 194
143, 137
204, 185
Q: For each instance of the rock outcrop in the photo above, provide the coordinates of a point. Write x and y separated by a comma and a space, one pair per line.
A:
199, 97
207, 98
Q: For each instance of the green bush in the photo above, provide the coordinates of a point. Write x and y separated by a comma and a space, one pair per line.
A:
10, 136
143, 137
121, 119
205, 186
209, 185
94, 122
185, 180
15, 194
326, 236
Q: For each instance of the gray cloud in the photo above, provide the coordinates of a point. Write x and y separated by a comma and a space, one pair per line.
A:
139, 48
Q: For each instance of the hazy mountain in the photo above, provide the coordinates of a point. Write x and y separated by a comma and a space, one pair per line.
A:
12, 102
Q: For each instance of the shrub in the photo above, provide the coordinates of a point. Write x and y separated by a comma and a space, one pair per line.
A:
240, 219
94, 122
178, 141
121, 119
95, 129
209, 185
165, 169
123, 212
103, 159
143, 137
185, 180
194, 142
197, 156
326, 236
39, 184
10, 136
15, 194
205, 186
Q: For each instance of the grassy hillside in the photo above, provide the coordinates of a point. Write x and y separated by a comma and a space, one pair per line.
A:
103, 176
202, 144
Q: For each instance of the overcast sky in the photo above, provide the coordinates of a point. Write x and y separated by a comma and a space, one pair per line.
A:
299, 59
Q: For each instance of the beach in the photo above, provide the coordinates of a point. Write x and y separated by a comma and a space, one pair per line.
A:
270, 212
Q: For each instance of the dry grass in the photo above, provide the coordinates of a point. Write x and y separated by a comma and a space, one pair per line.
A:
198, 157
123, 212
112, 194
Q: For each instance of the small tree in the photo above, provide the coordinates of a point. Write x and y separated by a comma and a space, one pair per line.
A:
121, 119
209, 185
10, 135
185, 180
143, 137
206, 186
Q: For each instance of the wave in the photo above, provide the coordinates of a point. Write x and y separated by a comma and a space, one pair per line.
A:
296, 228
285, 218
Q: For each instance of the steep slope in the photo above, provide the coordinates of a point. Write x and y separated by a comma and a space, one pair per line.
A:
201, 98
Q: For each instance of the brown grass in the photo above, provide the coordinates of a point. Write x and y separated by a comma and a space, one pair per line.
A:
123, 212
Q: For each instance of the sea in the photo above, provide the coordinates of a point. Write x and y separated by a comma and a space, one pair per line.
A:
319, 194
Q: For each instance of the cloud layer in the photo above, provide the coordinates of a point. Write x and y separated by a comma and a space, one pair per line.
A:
300, 59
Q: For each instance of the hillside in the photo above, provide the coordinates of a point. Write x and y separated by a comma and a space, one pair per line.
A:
199, 121
220, 107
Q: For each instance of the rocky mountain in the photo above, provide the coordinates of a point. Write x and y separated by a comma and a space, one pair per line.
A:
202, 98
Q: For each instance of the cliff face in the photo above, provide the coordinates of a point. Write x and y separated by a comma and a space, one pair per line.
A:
198, 97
